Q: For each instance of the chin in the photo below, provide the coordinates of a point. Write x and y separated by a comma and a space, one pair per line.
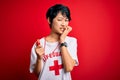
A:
59, 33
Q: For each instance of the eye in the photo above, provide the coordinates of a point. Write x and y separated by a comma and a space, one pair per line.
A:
66, 20
59, 19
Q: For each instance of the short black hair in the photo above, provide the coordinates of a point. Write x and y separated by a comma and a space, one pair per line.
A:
54, 10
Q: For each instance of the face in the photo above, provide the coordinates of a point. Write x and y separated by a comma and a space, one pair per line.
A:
59, 24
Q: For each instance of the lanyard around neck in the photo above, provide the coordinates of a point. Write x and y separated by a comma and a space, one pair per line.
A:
55, 47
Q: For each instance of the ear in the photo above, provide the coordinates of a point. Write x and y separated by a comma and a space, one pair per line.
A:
48, 20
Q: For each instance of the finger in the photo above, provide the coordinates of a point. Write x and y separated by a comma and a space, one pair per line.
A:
66, 28
39, 46
38, 42
69, 28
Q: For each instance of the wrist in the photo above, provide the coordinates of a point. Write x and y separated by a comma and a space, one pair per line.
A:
62, 41
39, 58
63, 44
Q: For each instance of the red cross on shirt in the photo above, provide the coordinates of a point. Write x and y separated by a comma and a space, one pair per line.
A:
56, 67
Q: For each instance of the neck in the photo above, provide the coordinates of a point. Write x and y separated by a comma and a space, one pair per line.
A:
52, 37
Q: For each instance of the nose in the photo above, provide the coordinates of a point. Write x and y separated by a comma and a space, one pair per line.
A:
63, 23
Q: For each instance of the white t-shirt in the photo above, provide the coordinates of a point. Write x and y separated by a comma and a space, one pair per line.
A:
52, 68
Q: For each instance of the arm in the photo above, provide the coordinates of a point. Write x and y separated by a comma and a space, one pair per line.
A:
67, 60
39, 51
37, 68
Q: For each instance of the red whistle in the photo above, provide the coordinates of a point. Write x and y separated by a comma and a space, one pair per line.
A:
38, 42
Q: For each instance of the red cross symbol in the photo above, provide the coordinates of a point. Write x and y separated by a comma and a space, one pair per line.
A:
56, 67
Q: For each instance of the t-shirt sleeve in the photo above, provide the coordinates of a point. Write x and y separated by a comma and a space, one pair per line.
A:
33, 59
72, 48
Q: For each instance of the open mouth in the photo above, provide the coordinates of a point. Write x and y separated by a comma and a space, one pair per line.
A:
62, 29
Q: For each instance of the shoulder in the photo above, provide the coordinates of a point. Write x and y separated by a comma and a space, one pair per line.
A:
42, 39
70, 39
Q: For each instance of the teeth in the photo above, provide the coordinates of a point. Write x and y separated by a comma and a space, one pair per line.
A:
62, 29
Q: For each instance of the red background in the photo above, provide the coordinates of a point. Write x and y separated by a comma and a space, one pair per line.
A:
96, 25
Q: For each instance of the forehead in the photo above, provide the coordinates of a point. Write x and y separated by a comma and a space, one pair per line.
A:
61, 15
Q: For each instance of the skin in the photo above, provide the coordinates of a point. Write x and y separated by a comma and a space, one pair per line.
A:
59, 31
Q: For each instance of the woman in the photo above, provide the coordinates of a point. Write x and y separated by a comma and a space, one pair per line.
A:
54, 56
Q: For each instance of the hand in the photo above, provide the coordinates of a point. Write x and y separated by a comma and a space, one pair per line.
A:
39, 49
65, 33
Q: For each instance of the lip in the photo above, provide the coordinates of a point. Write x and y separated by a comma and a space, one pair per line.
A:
62, 29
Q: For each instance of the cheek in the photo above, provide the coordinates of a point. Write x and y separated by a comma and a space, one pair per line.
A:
67, 23
56, 24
